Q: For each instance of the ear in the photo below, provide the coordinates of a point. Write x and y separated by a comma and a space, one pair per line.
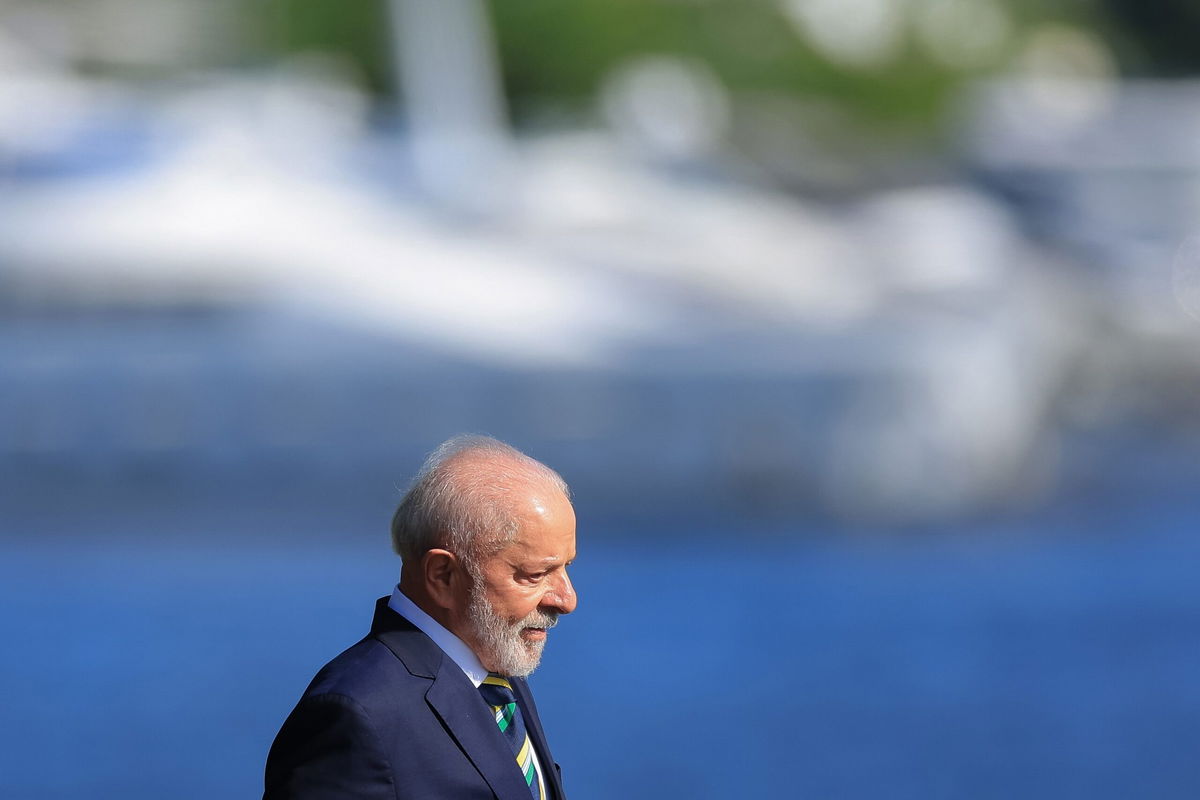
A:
443, 575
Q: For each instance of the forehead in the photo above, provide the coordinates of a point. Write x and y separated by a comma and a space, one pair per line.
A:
545, 528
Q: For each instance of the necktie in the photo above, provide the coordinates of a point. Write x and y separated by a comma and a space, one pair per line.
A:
498, 694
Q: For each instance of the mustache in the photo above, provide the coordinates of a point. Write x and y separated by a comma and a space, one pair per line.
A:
540, 619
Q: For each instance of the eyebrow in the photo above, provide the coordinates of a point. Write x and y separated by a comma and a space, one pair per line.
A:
549, 561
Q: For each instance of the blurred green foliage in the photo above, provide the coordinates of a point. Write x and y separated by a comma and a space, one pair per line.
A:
355, 31
556, 54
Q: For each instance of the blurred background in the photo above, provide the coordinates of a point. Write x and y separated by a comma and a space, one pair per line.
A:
865, 331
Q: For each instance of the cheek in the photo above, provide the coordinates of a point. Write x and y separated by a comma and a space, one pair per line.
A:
518, 603
522, 602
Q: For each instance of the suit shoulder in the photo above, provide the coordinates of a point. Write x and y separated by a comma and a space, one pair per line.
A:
367, 673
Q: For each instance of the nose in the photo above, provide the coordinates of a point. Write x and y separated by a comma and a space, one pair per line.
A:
561, 596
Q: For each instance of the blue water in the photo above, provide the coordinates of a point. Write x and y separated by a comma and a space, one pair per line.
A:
999, 662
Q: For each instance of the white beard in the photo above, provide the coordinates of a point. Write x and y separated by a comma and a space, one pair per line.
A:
503, 649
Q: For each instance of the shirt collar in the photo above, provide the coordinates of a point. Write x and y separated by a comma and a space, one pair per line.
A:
451, 645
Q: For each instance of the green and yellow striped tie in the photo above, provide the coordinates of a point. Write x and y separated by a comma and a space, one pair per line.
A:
498, 693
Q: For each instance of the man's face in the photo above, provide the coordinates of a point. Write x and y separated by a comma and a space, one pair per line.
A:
518, 594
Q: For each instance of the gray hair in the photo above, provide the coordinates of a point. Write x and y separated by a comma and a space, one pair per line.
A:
461, 499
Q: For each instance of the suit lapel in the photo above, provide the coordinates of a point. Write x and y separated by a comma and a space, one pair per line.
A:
533, 724
456, 702
462, 710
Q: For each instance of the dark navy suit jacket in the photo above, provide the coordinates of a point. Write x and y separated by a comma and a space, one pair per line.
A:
394, 717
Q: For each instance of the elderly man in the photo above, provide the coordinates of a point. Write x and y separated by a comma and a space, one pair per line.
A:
433, 702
